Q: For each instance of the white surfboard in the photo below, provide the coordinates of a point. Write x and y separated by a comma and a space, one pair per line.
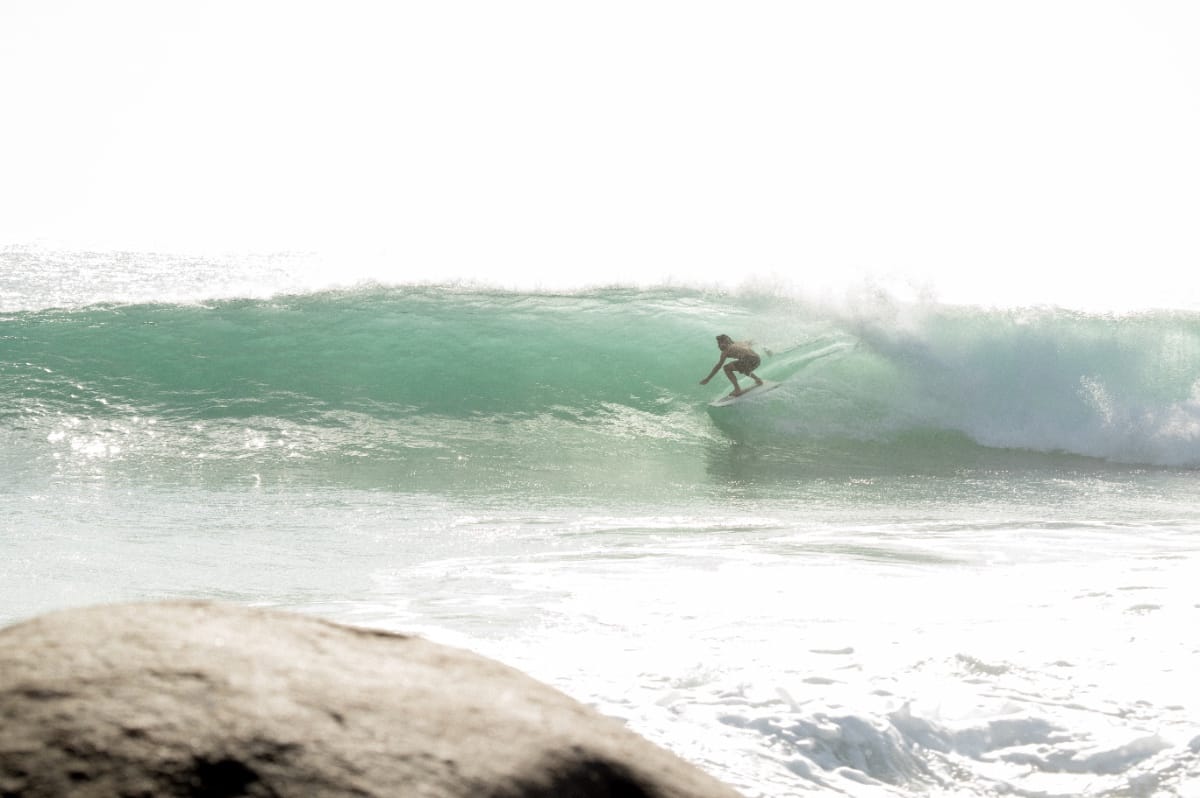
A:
749, 393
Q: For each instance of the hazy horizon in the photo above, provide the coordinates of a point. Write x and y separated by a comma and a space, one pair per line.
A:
1028, 151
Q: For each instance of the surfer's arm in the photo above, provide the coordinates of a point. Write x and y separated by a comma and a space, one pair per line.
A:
716, 368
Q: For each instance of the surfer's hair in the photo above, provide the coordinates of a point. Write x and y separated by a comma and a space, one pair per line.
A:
724, 339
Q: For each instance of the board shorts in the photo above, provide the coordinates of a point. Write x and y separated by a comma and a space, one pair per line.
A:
747, 364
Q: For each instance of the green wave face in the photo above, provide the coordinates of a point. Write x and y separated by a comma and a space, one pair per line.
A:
387, 352
435, 388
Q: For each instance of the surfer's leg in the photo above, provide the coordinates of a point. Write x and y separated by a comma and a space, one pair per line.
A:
737, 389
748, 366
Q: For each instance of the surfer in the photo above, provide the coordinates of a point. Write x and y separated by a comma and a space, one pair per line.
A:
745, 360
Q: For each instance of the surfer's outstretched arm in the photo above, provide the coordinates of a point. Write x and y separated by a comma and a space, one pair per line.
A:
715, 369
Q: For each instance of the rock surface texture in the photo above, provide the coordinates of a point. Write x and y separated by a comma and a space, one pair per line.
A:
200, 699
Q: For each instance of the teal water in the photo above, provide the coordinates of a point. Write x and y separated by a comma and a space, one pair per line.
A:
428, 388
953, 554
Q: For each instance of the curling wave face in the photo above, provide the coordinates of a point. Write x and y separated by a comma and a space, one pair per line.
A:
421, 386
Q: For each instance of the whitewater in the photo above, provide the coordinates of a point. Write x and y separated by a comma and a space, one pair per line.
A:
953, 554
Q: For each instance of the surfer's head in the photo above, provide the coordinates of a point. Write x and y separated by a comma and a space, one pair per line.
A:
723, 341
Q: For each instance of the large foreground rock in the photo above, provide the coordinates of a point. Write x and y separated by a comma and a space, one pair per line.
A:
198, 699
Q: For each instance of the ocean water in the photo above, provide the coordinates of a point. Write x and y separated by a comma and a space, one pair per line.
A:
956, 553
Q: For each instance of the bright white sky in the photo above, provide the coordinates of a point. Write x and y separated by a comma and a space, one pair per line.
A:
1043, 150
